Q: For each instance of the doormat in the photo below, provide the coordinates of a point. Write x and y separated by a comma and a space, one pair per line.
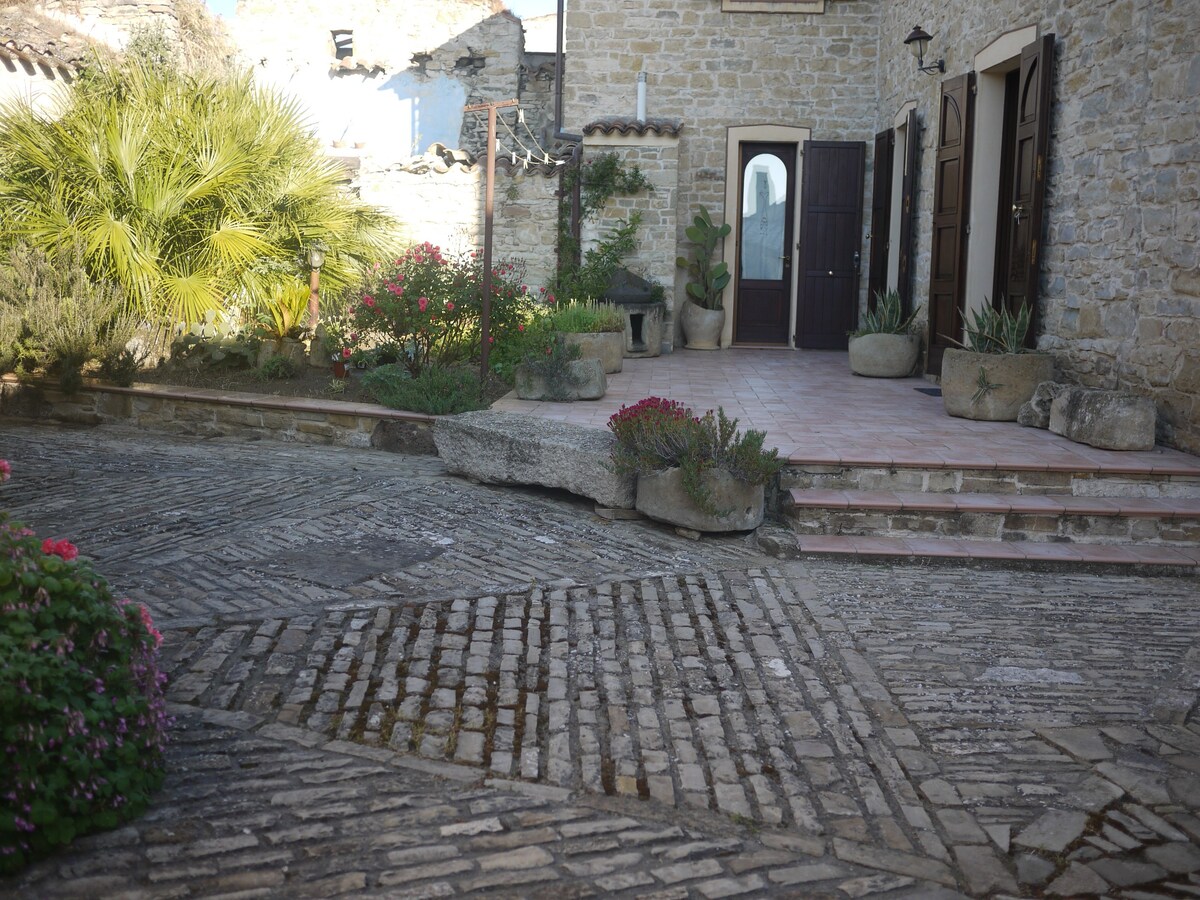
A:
932, 392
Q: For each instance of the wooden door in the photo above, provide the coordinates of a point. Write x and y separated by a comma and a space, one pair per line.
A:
831, 205
1027, 194
764, 243
881, 214
908, 210
951, 196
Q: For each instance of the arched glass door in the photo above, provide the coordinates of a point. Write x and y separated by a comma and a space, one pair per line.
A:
764, 263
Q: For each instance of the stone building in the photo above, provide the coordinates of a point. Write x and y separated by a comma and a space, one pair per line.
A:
1051, 156
386, 82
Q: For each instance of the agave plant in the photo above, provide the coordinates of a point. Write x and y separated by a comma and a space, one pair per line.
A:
993, 330
886, 318
191, 192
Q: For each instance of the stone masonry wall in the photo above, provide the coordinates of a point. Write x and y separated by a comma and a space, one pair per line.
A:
1120, 277
713, 70
654, 259
113, 21
446, 208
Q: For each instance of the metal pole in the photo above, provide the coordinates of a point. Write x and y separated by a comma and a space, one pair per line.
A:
488, 206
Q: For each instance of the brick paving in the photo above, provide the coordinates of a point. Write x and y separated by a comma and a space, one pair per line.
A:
391, 682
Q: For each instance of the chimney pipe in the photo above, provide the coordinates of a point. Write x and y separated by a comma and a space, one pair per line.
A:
641, 98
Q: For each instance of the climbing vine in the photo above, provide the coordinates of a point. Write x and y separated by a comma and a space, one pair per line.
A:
599, 180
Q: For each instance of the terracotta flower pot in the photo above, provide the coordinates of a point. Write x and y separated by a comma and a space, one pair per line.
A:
340, 369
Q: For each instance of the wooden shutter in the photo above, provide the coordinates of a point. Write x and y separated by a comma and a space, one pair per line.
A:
908, 209
1029, 176
881, 214
951, 189
831, 211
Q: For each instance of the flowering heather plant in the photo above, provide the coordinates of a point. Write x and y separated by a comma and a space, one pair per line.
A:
82, 713
656, 434
430, 305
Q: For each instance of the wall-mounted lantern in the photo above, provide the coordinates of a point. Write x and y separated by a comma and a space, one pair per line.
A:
918, 43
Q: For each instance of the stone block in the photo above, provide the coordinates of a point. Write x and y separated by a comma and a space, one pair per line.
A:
1111, 420
1036, 412
507, 448
585, 382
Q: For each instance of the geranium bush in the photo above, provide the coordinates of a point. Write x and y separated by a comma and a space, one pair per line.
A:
430, 305
656, 434
82, 712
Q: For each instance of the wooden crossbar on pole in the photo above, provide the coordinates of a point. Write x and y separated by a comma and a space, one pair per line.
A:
488, 204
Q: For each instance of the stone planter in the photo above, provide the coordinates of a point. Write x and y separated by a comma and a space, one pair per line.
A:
884, 355
739, 505
701, 327
607, 346
1011, 378
289, 348
588, 383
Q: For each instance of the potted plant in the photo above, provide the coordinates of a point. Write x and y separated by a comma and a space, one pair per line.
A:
692, 471
281, 323
994, 373
338, 342
884, 345
598, 329
555, 371
702, 315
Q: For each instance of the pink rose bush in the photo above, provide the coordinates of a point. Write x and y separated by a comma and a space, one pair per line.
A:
83, 717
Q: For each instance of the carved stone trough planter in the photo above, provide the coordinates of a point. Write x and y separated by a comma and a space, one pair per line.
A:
991, 387
587, 382
739, 505
884, 355
606, 346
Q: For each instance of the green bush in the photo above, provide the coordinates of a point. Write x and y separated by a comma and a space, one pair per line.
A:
64, 318
657, 434
551, 361
587, 317
82, 716
278, 368
435, 390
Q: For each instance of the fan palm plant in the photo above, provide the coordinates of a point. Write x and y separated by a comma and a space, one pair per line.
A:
191, 192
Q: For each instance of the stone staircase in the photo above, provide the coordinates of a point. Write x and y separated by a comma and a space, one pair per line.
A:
1125, 512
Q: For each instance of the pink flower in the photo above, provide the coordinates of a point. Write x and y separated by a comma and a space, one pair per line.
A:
63, 548
5, 470
368, 300
549, 298
347, 353
449, 305
422, 303
520, 328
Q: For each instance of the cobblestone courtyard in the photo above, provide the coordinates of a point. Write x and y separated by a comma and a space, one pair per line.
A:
392, 682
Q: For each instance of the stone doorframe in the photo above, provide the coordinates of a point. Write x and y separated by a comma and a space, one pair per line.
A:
767, 134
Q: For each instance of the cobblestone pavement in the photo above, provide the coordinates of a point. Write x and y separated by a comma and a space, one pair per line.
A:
393, 682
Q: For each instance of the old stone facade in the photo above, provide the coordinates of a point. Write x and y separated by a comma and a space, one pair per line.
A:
1119, 279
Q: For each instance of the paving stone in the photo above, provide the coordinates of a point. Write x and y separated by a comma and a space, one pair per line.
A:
1053, 832
1175, 857
1076, 881
893, 861
1124, 872
984, 871
805, 873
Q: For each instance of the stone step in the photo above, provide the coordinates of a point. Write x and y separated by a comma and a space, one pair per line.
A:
1141, 475
1008, 517
1174, 560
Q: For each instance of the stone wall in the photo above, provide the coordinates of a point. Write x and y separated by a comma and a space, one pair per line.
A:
1120, 282
447, 209
111, 22
657, 157
713, 70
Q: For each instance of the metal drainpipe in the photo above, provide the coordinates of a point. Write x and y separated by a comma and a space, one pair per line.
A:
560, 135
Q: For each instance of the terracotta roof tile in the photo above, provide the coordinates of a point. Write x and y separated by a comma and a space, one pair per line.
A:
628, 125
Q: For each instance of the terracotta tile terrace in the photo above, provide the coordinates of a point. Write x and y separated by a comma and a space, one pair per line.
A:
816, 412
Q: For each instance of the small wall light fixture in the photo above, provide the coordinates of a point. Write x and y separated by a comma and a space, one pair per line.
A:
918, 42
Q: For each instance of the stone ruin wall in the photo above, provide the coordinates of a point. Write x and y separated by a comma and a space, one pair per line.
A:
112, 21
1120, 291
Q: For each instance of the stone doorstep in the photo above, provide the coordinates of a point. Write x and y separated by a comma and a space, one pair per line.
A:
1171, 523
1174, 560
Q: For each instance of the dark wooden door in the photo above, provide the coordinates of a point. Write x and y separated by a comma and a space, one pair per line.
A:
764, 243
951, 190
908, 210
831, 205
1020, 282
881, 214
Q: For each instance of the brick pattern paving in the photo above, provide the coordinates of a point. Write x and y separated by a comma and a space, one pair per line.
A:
631, 713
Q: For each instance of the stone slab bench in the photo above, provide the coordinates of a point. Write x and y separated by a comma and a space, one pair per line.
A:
508, 448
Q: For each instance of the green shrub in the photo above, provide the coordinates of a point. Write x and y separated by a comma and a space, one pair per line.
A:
656, 434
588, 317
66, 319
278, 368
435, 390
551, 361
82, 715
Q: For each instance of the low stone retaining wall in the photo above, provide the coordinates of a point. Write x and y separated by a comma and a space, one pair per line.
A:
209, 413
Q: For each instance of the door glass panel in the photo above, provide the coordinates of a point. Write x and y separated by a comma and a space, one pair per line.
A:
764, 199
